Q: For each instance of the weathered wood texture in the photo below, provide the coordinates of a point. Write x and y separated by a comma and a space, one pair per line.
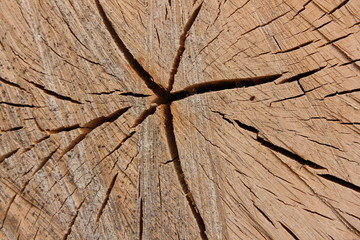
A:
132, 119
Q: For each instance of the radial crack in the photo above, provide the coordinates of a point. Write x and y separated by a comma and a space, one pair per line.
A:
174, 153
107, 196
219, 85
181, 48
340, 181
157, 89
52, 93
90, 126
7, 155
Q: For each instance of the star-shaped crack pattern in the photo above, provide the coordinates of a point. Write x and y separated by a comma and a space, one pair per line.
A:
164, 96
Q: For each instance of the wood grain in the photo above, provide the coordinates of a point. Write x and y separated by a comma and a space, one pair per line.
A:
179, 119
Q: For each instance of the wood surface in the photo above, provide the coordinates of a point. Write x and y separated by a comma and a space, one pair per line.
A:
179, 119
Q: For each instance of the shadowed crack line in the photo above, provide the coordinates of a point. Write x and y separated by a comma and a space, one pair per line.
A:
157, 89
67, 233
107, 196
90, 126
181, 48
272, 146
141, 220
12, 84
219, 85
340, 181
289, 231
52, 93
301, 75
7, 155
174, 153
19, 105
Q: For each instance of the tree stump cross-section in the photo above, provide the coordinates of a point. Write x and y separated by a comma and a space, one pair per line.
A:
176, 120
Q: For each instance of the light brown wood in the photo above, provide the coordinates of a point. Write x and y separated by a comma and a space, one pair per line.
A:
179, 119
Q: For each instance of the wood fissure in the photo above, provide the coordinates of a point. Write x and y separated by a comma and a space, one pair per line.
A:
181, 48
174, 153
134, 64
107, 196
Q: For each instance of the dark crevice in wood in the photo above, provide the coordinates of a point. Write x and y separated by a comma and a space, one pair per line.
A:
118, 146
335, 40
288, 98
342, 92
88, 60
174, 153
219, 85
52, 93
42, 163
7, 211
181, 48
223, 116
264, 24
321, 215
301, 75
237, 9
350, 123
19, 105
34, 143
340, 181
7, 155
132, 94
145, 114
157, 89
323, 144
12, 84
62, 129
11, 129
296, 96
263, 214
141, 220
288, 154
339, 6
67, 233
289, 231
295, 48
322, 25
211, 41
246, 127
302, 9
274, 147
90, 126
351, 62
107, 196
